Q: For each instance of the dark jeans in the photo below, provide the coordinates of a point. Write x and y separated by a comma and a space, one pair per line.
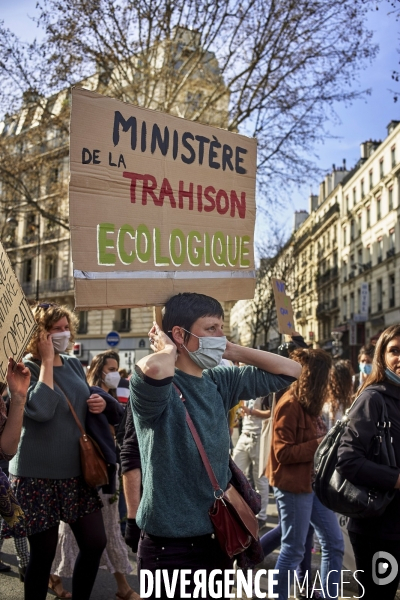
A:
365, 548
202, 552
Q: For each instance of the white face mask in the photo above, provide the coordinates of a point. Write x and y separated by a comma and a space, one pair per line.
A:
112, 379
60, 341
210, 351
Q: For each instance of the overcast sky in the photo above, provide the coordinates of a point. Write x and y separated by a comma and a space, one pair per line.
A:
365, 119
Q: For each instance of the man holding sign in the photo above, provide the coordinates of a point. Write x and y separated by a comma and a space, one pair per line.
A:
177, 493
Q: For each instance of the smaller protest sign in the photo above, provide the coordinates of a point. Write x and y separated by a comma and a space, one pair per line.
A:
284, 308
17, 323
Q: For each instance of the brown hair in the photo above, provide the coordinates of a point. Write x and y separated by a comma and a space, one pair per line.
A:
94, 372
310, 389
341, 386
367, 350
378, 363
46, 314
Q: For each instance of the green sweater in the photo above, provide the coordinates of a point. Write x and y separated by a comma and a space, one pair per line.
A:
177, 493
49, 446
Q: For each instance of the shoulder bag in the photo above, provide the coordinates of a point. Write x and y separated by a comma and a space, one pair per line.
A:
93, 464
335, 491
234, 522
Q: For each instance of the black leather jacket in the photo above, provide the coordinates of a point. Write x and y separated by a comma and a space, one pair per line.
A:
355, 453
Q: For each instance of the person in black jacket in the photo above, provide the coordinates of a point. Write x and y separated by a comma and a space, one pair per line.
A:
376, 541
131, 469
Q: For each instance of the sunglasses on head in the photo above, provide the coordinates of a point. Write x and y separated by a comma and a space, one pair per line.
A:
46, 305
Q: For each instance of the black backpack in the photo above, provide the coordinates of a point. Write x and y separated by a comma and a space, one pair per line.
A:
337, 493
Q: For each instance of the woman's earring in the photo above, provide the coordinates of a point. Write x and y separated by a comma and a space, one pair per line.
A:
181, 345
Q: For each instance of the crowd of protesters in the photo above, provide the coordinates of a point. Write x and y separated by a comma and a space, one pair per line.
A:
287, 402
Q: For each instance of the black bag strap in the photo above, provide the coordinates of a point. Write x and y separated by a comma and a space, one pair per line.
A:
383, 437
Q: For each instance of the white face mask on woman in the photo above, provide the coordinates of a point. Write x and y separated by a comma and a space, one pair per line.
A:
210, 351
112, 379
60, 341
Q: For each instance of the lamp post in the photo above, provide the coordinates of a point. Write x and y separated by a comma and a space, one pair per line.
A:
38, 260
337, 349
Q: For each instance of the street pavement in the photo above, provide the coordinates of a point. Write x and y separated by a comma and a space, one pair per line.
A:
105, 587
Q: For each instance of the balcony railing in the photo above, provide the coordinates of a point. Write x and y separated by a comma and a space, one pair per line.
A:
328, 275
51, 234
30, 238
322, 307
390, 252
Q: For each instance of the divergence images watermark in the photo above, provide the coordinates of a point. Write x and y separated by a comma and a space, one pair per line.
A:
219, 584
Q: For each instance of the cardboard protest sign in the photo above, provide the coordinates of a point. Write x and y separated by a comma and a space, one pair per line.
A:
284, 308
158, 205
16, 319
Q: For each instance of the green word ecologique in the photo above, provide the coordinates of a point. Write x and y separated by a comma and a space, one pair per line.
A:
127, 245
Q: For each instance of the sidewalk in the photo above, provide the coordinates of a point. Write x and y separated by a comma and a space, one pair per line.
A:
105, 587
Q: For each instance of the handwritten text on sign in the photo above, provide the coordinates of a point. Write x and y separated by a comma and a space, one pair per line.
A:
16, 319
283, 307
152, 193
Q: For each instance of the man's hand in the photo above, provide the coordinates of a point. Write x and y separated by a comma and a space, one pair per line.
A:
159, 340
161, 364
96, 404
18, 379
230, 351
132, 534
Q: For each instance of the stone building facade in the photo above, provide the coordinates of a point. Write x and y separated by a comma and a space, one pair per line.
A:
39, 247
350, 236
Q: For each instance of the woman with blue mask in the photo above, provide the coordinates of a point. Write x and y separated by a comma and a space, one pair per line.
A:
103, 378
177, 532
365, 357
371, 538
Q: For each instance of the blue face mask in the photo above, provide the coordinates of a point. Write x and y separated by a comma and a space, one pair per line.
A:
365, 368
392, 376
